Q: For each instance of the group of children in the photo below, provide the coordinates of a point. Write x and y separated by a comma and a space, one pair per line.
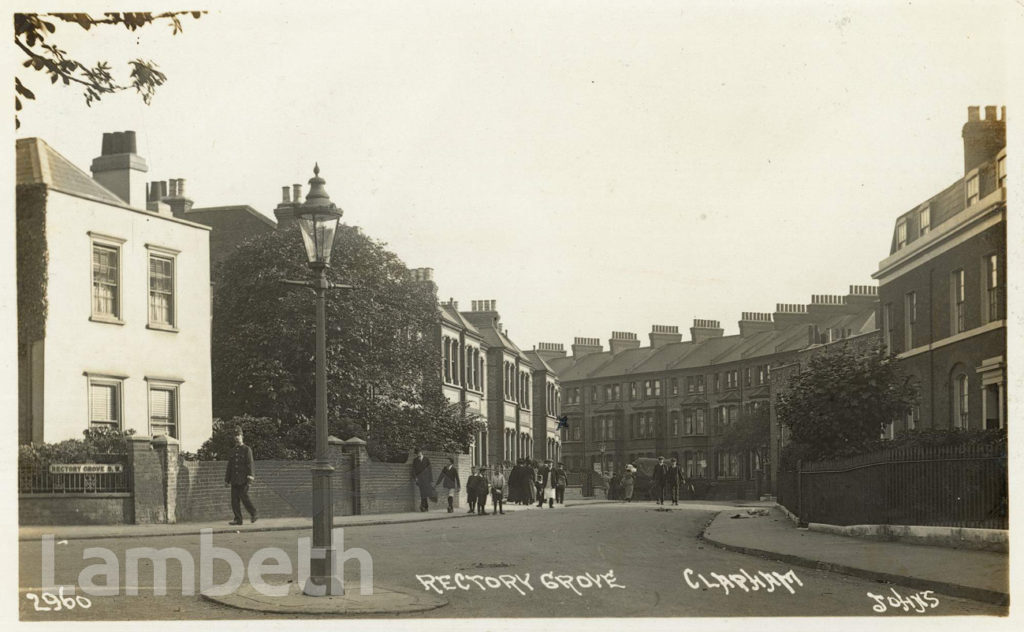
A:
548, 481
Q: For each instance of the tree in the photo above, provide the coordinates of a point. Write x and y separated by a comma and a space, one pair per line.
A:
842, 402
34, 34
383, 365
750, 434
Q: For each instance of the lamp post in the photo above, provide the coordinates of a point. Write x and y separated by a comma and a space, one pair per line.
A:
318, 220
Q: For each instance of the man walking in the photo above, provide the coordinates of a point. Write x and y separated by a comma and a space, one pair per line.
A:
449, 479
561, 480
481, 492
472, 484
546, 485
424, 478
497, 482
660, 479
238, 475
674, 478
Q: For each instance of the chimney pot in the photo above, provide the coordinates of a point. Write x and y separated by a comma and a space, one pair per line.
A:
973, 113
130, 146
286, 194
173, 185
297, 193
181, 187
990, 112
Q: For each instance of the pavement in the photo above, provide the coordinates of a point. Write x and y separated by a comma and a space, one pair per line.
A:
768, 532
756, 528
97, 532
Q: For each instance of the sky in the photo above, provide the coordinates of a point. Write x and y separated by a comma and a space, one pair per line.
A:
591, 166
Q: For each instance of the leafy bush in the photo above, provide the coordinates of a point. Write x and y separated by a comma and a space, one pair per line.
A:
98, 442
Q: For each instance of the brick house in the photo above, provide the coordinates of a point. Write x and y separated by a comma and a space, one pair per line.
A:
942, 289
674, 398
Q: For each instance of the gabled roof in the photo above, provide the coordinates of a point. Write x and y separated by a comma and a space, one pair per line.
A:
38, 163
538, 362
452, 316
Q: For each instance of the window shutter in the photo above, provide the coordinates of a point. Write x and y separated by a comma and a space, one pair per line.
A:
161, 405
102, 402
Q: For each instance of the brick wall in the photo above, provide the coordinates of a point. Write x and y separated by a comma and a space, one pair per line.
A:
67, 509
282, 489
169, 489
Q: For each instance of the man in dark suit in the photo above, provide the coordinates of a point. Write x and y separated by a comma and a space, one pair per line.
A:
674, 479
561, 480
481, 492
660, 480
424, 478
239, 474
472, 488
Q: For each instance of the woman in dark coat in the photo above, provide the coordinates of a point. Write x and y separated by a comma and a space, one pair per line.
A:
521, 483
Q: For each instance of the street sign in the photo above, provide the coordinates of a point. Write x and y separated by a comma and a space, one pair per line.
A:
85, 468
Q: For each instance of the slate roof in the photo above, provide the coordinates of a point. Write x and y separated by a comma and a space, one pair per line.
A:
538, 362
208, 212
452, 316
38, 163
710, 352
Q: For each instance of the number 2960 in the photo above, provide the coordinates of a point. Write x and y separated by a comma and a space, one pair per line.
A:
54, 603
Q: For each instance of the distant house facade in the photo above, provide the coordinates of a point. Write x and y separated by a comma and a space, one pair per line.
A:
942, 289
676, 398
113, 301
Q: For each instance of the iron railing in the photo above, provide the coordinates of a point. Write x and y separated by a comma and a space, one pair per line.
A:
952, 486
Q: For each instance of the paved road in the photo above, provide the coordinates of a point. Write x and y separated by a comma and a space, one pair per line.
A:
647, 550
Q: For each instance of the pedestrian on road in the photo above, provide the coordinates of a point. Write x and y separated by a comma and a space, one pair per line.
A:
424, 478
561, 480
675, 478
481, 492
628, 480
472, 488
546, 485
660, 479
519, 483
238, 475
497, 482
530, 487
449, 480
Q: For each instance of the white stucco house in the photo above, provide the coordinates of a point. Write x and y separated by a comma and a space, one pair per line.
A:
113, 301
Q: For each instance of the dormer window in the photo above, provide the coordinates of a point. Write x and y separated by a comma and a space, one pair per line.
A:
901, 234
972, 190
925, 220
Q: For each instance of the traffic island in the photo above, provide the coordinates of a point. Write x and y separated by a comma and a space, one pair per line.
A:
384, 600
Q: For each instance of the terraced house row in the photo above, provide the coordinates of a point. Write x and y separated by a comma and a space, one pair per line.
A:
675, 398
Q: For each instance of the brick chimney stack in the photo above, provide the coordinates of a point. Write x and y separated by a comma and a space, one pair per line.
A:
787, 314
424, 277
550, 350
662, 335
755, 322
983, 138
704, 329
285, 210
584, 346
120, 169
621, 341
